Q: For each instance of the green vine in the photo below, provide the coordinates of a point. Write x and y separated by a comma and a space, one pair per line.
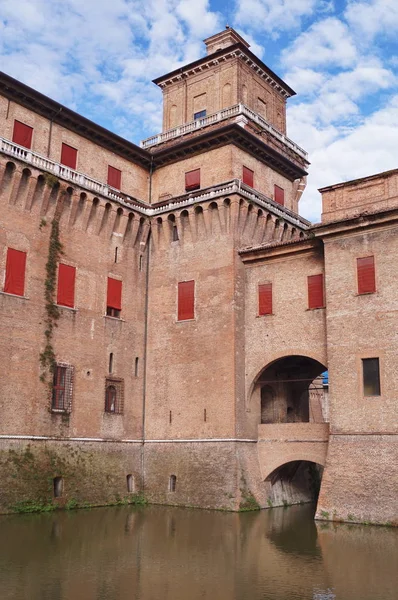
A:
55, 251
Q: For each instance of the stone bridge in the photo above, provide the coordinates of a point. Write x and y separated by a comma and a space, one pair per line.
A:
283, 443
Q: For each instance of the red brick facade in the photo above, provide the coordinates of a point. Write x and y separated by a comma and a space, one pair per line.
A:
174, 377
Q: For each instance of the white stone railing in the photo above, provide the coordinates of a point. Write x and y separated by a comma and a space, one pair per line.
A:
222, 115
235, 186
175, 203
46, 164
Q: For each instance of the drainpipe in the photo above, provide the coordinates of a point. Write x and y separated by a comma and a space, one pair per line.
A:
149, 242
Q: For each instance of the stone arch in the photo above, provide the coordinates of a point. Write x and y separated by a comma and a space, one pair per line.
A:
129, 228
93, 213
118, 219
105, 216
8, 174
295, 479
280, 392
171, 219
308, 456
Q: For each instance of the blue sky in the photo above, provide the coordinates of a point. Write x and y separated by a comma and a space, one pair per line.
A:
341, 56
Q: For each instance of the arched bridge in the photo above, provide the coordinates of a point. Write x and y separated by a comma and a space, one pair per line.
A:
279, 444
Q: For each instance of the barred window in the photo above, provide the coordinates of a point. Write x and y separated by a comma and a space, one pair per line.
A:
114, 395
61, 400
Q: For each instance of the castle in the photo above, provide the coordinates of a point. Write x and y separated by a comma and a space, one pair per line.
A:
167, 315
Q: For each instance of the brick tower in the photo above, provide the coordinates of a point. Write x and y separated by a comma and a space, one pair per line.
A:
226, 177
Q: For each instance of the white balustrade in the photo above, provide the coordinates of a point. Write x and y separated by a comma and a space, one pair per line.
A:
82, 180
44, 163
221, 115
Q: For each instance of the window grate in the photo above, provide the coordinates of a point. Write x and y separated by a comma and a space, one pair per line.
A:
62, 391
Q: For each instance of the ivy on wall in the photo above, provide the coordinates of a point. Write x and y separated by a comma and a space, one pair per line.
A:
55, 251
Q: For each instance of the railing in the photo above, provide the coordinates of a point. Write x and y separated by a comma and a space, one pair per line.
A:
42, 162
222, 115
235, 186
175, 203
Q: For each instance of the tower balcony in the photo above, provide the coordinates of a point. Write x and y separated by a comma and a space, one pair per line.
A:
242, 115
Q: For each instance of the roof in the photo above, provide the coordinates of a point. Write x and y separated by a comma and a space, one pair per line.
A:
215, 55
58, 113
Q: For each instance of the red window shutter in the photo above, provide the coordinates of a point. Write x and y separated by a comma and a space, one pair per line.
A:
248, 176
114, 297
22, 134
265, 299
186, 300
192, 180
66, 285
366, 275
68, 156
279, 195
15, 272
114, 177
315, 291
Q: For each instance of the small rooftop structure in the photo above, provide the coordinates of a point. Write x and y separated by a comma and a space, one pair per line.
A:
223, 39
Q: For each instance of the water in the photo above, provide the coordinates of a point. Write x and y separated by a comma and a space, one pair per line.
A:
163, 553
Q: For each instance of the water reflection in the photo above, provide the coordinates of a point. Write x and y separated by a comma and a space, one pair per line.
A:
155, 553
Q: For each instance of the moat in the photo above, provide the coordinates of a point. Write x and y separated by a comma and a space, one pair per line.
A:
164, 553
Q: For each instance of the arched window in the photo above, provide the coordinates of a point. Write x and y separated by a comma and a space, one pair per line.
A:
172, 483
114, 395
110, 399
130, 483
58, 484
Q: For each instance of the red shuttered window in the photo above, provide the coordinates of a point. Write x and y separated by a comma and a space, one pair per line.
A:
279, 195
248, 176
315, 292
114, 177
366, 275
192, 180
66, 285
15, 272
186, 300
114, 297
68, 156
22, 134
265, 299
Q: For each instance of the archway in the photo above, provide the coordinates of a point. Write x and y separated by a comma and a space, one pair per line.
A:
294, 482
291, 390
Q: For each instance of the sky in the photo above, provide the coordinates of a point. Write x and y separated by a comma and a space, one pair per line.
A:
98, 57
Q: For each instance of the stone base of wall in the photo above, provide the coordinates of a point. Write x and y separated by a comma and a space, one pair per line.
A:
93, 473
360, 480
206, 474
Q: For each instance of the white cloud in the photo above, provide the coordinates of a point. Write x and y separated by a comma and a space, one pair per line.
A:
273, 15
325, 43
308, 81
365, 150
73, 50
373, 17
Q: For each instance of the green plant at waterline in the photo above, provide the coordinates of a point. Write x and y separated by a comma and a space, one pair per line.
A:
248, 502
32, 506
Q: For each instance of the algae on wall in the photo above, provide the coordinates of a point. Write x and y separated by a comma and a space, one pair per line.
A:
92, 473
